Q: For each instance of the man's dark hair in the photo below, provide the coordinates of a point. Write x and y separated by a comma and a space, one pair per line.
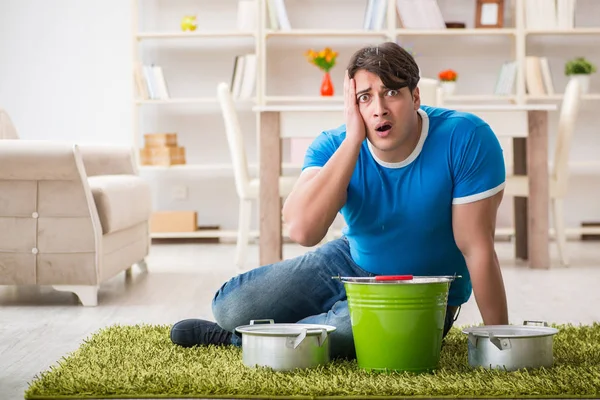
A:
395, 66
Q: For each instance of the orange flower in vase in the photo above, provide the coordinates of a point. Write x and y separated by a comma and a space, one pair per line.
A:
324, 60
448, 79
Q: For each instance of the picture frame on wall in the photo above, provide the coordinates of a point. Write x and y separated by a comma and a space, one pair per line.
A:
489, 14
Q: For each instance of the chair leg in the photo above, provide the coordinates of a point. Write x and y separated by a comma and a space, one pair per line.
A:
243, 232
88, 295
559, 228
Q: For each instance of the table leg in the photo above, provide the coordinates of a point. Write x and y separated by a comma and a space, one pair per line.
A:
270, 242
520, 203
537, 166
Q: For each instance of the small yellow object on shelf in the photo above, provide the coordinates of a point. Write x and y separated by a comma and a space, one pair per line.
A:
189, 23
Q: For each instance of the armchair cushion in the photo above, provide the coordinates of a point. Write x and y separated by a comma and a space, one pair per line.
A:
7, 129
122, 200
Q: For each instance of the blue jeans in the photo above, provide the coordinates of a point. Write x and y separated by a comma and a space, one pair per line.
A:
297, 290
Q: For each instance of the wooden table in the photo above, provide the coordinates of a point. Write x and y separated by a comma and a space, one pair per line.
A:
526, 124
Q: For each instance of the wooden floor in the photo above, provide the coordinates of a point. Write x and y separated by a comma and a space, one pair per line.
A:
39, 326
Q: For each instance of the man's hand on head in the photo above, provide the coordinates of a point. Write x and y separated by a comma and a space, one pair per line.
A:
356, 130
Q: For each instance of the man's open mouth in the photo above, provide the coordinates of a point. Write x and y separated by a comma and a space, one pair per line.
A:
383, 128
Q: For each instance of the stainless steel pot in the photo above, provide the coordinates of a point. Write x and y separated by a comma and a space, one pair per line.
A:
511, 347
284, 347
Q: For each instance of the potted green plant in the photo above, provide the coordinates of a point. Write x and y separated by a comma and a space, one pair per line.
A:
579, 68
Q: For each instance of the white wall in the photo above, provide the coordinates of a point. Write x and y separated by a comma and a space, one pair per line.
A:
65, 74
64, 70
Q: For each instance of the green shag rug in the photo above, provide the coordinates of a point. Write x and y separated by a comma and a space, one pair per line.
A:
141, 362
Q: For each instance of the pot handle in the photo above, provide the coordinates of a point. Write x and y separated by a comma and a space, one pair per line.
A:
472, 339
294, 342
262, 321
500, 343
322, 337
535, 323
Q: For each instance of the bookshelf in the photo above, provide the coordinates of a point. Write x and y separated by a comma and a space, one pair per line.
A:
457, 32
326, 33
280, 52
569, 32
192, 35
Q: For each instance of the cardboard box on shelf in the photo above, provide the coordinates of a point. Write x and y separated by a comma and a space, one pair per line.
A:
160, 140
163, 156
174, 221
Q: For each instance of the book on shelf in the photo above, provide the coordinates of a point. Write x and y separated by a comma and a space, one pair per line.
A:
506, 79
546, 75
375, 15
277, 15
538, 79
420, 14
243, 78
247, 14
161, 84
150, 82
140, 82
550, 14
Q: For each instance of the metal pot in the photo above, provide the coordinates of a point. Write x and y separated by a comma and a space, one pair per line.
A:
511, 347
284, 347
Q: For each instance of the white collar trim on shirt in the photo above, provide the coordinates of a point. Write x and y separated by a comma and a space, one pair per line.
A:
416, 151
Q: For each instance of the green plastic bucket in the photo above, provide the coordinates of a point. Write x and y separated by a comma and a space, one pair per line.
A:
398, 324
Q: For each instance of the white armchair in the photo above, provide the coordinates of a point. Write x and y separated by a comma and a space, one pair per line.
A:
70, 216
7, 129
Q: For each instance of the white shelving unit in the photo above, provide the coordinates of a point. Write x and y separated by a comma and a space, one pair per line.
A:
262, 37
457, 32
192, 35
575, 31
200, 234
555, 97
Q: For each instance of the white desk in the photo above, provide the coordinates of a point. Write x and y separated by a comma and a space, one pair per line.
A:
526, 124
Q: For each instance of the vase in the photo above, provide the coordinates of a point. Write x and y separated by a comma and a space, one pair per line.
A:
584, 81
326, 85
448, 88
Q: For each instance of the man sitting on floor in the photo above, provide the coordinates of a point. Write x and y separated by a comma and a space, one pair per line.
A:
419, 188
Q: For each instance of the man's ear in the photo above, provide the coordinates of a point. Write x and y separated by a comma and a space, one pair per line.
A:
416, 98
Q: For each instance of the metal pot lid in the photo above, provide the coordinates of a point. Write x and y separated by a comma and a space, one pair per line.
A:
273, 329
511, 331
397, 279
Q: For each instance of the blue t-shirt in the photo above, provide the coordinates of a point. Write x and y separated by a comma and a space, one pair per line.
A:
399, 215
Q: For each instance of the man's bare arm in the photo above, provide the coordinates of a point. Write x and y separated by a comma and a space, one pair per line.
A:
474, 226
319, 194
